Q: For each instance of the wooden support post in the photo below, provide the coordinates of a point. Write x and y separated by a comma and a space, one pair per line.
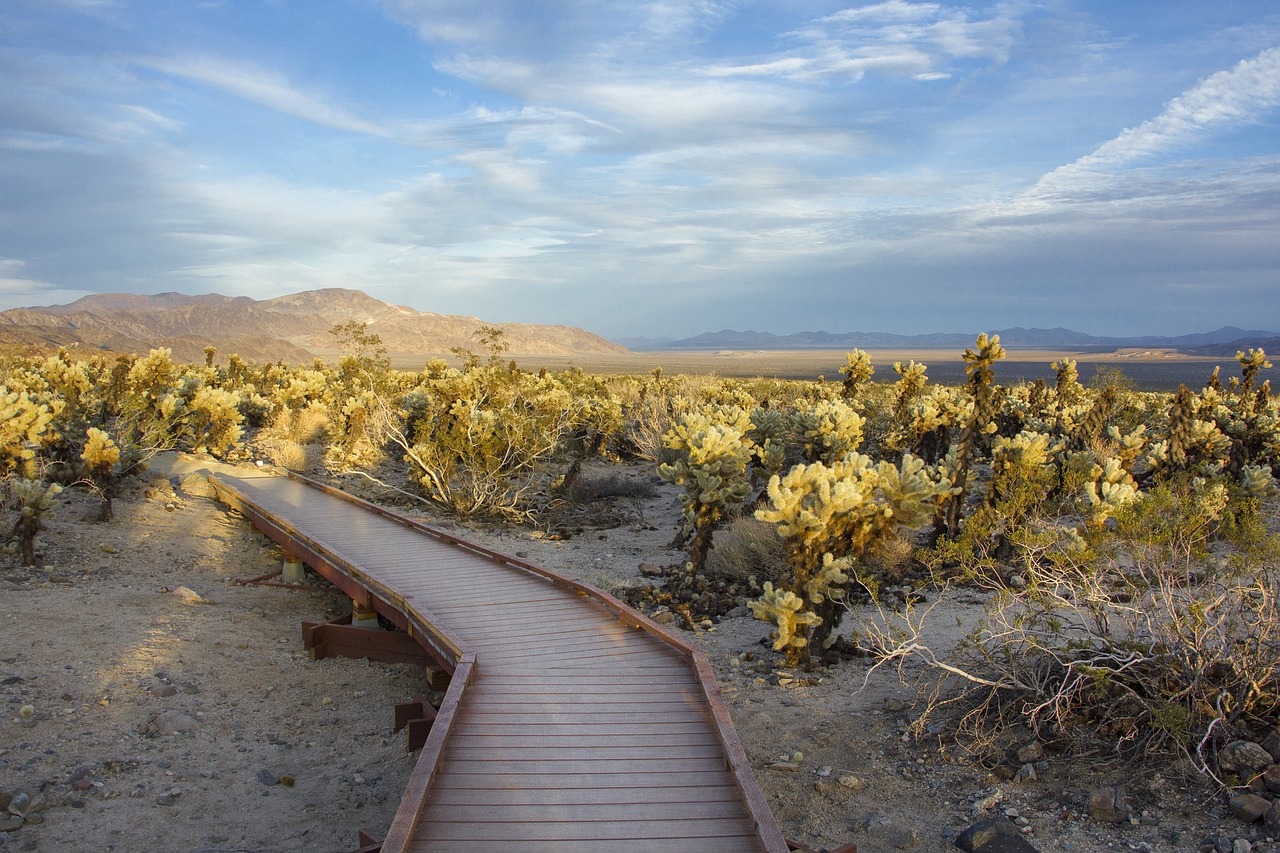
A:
363, 615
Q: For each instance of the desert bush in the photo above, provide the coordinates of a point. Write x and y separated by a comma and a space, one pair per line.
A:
101, 457
747, 550
1136, 641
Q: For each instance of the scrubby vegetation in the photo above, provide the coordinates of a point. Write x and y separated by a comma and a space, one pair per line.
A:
1123, 536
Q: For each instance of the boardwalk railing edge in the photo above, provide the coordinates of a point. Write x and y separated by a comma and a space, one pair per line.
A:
767, 829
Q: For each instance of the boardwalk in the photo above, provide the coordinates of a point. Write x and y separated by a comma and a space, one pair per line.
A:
571, 723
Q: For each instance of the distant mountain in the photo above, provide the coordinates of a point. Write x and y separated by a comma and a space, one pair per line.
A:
293, 328
1225, 341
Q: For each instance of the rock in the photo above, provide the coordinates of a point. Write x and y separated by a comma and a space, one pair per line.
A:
853, 783
666, 617
1026, 773
163, 691
8, 823
1271, 743
108, 549
1030, 753
189, 596
171, 723
266, 777
650, 570
1272, 819
1242, 845
1108, 805
197, 485
739, 612
1271, 778
1249, 807
1243, 758
905, 839
994, 835
788, 766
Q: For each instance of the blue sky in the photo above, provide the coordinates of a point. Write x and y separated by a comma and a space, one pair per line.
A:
655, 167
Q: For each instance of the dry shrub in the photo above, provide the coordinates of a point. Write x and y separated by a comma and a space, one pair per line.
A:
292, 455
587, 489
747, 547
890, 559
303, 426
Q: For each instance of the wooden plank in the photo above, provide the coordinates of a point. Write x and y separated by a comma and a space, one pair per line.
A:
472, 781
574, 739
727, 844
597, 831
700, 810
569, 756
579, 770
583, 796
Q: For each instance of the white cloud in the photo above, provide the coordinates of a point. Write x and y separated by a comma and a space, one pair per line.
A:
1221, 101
263, 87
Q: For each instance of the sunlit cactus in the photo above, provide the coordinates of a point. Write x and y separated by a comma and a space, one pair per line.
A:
830, 517
1110, 489
828, 430
100, 457
24, 424
34, 500
713, 452
857, 370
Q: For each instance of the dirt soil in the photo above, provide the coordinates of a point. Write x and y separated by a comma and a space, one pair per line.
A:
142, 717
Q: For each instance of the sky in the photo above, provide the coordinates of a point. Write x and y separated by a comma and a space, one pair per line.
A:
655, 167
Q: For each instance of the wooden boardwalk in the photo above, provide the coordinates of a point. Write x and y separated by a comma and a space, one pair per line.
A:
571, 723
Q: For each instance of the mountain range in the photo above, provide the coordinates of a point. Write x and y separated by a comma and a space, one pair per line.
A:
293, 328
1224, 342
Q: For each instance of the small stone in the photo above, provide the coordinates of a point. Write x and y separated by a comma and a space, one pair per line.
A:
1243, 758
823, 771
1242, 845
650, 570
853, 783
189, 596
108, 549
20, 802
993, 835
666, 617
8, 823
905, 839
1026, 773
1271, 778
786, 766
1249, 807
1108, 804
266, 777
1030, 753
990, 801
163, 690
171, 723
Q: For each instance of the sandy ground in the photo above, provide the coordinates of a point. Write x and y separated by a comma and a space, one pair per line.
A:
99, 659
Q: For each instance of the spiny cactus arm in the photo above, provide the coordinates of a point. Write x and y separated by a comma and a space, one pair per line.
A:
786, 611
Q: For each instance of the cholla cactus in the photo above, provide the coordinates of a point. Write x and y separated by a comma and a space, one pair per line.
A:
34, 498
768, 438
857, 370
982, 389
100, 457
1111, 488
786, 610
1068, 388
1258, 482
712, 467
909, 386
24, 423
831, 516
214, 420
828, 430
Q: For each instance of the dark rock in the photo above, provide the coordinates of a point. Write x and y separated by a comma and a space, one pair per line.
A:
1272, 819
1243, 758
994, 835
1271, 743
1249, 807
1030, 753
1271, 778
1108, 805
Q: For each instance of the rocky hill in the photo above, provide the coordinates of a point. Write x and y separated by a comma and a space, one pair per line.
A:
293, 328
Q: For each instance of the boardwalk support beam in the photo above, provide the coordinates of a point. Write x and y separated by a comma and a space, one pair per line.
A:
339, 638
416, 716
